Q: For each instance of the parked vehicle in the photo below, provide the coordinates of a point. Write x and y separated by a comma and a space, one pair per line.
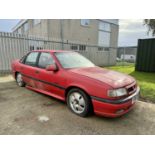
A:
70, 77
128, 58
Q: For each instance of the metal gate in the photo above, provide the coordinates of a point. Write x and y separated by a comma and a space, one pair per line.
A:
14, 46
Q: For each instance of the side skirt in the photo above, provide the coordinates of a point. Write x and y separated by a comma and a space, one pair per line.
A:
46, 93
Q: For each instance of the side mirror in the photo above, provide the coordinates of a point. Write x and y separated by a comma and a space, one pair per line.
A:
52, 67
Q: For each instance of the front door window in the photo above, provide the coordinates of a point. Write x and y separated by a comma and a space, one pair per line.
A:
45, 60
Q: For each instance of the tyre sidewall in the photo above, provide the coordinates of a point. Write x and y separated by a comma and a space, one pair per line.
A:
87, 102
22, 83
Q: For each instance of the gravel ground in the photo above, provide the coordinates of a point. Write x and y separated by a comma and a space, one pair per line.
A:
23, 111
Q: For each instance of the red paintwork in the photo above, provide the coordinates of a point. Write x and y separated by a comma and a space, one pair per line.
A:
95, 81
109, 110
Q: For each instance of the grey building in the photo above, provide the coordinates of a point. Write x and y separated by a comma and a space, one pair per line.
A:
99, 32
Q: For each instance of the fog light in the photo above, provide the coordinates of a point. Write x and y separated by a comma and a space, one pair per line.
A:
119, 111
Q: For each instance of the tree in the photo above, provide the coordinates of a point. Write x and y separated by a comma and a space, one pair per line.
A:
150, 23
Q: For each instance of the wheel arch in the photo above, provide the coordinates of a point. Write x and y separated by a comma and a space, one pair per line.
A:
16, 74
74, 86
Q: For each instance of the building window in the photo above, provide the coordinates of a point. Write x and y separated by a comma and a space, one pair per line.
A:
104, 39
107, 49
74, 47
82, 47
36, 21
39, 48
31, 48
104, 34
85, 22
78, 47
100, 48
113, 21
104, 26
103, 49
26, 27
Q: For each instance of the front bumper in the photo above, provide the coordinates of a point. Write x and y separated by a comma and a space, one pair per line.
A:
114, 108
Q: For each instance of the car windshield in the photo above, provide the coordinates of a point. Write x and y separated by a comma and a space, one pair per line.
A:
73, 60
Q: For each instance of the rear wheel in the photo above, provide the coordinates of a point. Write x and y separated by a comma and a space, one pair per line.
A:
79, 102
19, 80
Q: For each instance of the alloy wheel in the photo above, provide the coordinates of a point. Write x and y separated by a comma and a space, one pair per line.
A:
77, 102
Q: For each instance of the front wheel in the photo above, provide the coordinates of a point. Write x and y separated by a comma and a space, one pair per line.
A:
19, 80
79, 102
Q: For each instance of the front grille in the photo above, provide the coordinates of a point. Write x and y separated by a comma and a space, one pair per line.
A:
131, 89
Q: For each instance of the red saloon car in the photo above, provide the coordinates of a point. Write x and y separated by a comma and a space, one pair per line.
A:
70, 77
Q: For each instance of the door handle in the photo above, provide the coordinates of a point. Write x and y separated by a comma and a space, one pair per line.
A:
37, 72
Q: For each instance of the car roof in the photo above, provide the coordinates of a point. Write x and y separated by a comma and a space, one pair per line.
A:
51, 51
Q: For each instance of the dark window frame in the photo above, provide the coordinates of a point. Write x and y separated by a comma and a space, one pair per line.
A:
31, 47
84, 23
82, 47
74, 47
100, 48
24, 60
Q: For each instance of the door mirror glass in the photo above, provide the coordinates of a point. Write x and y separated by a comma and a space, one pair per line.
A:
52, 67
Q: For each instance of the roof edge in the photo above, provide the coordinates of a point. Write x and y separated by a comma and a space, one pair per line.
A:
22, 21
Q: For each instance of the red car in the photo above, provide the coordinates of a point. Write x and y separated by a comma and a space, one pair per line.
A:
70, 77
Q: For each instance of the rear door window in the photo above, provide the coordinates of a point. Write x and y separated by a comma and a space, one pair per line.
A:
31, 59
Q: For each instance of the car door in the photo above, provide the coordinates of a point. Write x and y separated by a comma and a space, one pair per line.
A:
48, 80
28, 68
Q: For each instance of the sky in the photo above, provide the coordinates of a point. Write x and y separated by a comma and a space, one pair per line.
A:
7, 24
130, 30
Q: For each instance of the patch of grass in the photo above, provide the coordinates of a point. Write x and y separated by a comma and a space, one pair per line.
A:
121, 63
145, 80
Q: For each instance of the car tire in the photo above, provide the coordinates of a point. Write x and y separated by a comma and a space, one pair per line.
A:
19, 80
79, 102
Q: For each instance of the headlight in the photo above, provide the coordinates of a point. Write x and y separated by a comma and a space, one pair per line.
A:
117, 92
